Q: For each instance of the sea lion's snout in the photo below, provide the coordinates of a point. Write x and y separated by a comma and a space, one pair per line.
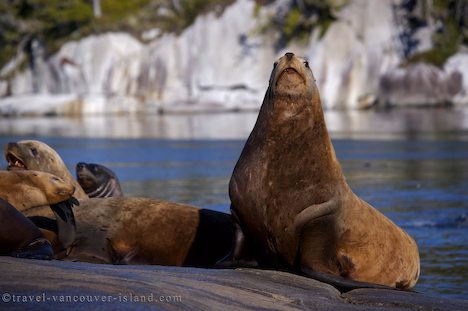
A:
80, 166
289, 56
13, 158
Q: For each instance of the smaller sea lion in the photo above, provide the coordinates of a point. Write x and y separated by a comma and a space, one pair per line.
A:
36, 155
28, 189
98, 181
124, 230
19, 237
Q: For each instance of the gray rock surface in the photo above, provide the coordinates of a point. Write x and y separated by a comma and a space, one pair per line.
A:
54, 284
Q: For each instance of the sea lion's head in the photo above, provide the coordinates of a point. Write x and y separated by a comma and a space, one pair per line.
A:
38, 156
96, 180
292, 78
292, 95
33, 155
56, 189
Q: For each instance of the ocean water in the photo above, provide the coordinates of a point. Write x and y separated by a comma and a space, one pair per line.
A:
420, 180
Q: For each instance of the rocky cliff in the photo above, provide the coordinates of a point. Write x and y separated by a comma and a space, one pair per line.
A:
223, 63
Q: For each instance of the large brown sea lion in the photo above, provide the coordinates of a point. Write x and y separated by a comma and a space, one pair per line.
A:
29, 189
147, 231
19, 237
98, 181
292, 203
36, 155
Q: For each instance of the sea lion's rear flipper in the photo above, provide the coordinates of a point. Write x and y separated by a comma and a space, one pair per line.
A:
342, 284
241, 254
38, 249
66, 224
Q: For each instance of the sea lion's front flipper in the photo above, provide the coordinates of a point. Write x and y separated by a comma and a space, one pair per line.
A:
314, 212
38, 249
241, 254
43, 222
66, 224
340, 283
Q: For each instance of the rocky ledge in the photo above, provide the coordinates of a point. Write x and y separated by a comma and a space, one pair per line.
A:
32, 284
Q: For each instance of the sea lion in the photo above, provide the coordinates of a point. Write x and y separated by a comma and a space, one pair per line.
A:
147, 231
29, 189
98, 181
35, 190
19, 237
36, 155
291, 201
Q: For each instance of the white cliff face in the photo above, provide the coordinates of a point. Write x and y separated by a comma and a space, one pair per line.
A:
419, 85
219, 63
354, 52
458, 65
216, 62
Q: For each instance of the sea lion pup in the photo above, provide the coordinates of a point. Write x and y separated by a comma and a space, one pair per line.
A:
36, 155
147, 231
19, 237
98, 181
29, 189
292, 203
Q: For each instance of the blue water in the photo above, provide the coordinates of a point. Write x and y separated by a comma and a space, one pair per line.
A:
422, 185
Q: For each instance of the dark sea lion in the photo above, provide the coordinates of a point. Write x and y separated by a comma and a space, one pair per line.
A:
147, 231
19, 237
28, 189
98, 181
38, 156
291, 201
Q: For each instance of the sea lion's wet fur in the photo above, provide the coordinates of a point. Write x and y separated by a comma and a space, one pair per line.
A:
36, 155
293, 203
98, 181
19, 237
148, 231
29, 189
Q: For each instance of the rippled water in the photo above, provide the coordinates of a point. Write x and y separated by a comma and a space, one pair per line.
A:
419, 181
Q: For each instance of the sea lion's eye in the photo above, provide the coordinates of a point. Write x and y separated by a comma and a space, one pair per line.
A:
306, 63
275, 64
34, 151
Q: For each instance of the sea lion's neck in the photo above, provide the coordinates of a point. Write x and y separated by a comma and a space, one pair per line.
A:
297, 136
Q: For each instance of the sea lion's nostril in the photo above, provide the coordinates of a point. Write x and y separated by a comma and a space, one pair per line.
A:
289, 55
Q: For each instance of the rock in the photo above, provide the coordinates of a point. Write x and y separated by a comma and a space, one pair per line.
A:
419, 85
458, 65
176, 288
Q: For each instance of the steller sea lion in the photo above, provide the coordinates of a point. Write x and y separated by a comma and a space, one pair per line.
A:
146, 231
19, 237
98, 181
291, 201
36, 155
29, 189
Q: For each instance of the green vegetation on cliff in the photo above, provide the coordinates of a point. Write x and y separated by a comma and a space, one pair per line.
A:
52, 22
295, 20
450, 20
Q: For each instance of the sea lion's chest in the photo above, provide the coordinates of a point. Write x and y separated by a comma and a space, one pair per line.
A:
271, 184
